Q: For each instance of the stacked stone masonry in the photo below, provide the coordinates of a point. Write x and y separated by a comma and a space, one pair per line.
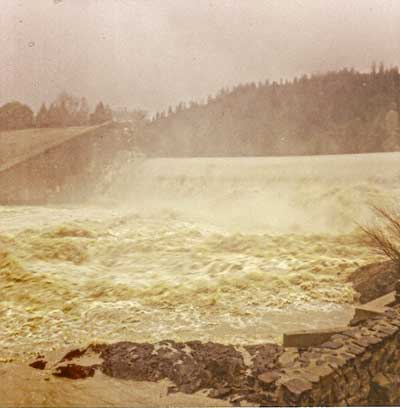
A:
360, 366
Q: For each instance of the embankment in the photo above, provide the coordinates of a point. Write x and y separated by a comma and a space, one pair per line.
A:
40, 166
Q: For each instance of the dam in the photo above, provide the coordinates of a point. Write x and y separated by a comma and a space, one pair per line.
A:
38, 166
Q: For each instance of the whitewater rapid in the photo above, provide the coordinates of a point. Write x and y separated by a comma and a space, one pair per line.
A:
234, 250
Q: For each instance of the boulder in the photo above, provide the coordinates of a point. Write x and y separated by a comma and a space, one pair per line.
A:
375, 280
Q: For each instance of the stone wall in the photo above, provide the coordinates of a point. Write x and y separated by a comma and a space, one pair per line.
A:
67, 172
361, 366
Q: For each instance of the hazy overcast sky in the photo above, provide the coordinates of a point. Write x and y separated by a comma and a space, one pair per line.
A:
153, 53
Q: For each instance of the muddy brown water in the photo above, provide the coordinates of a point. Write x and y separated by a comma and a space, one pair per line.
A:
231, 250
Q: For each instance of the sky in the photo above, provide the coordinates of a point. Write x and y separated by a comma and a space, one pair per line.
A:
150, 54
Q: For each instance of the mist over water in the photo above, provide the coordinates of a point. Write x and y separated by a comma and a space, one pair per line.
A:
236, 250
276, 194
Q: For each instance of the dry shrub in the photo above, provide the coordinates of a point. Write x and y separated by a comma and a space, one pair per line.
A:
385, 237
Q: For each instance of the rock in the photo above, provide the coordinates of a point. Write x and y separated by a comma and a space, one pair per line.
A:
295, 388
73, 354
372, 340
269, 377
382, 388
264, 357
354, 349
220, 392
39, 364
352, 332
387, 330
310, 376
332, 345
321, 372
289, 357
375, 280
74, 371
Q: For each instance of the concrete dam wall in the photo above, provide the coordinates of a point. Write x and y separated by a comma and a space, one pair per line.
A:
63, 167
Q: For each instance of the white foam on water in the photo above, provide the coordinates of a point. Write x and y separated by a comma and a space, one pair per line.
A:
236, 250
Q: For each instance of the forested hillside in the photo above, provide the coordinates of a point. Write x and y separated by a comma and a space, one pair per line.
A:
336, 112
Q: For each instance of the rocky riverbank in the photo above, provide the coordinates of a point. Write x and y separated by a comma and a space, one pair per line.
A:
374, 280
235, 374
25, 386
357, 367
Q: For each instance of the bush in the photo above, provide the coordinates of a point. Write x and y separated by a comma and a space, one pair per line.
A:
385, 238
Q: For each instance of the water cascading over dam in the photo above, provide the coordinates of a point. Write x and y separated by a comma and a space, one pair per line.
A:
234, 250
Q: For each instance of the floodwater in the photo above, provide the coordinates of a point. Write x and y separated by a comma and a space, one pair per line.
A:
233, 250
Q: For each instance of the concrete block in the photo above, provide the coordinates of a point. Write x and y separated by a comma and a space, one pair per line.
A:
310, 338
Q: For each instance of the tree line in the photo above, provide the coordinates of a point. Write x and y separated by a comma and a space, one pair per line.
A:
65, 111
343, 111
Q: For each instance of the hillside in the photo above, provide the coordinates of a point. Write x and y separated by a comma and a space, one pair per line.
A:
332, 113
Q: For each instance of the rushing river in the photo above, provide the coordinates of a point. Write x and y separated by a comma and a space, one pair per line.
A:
235, 250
